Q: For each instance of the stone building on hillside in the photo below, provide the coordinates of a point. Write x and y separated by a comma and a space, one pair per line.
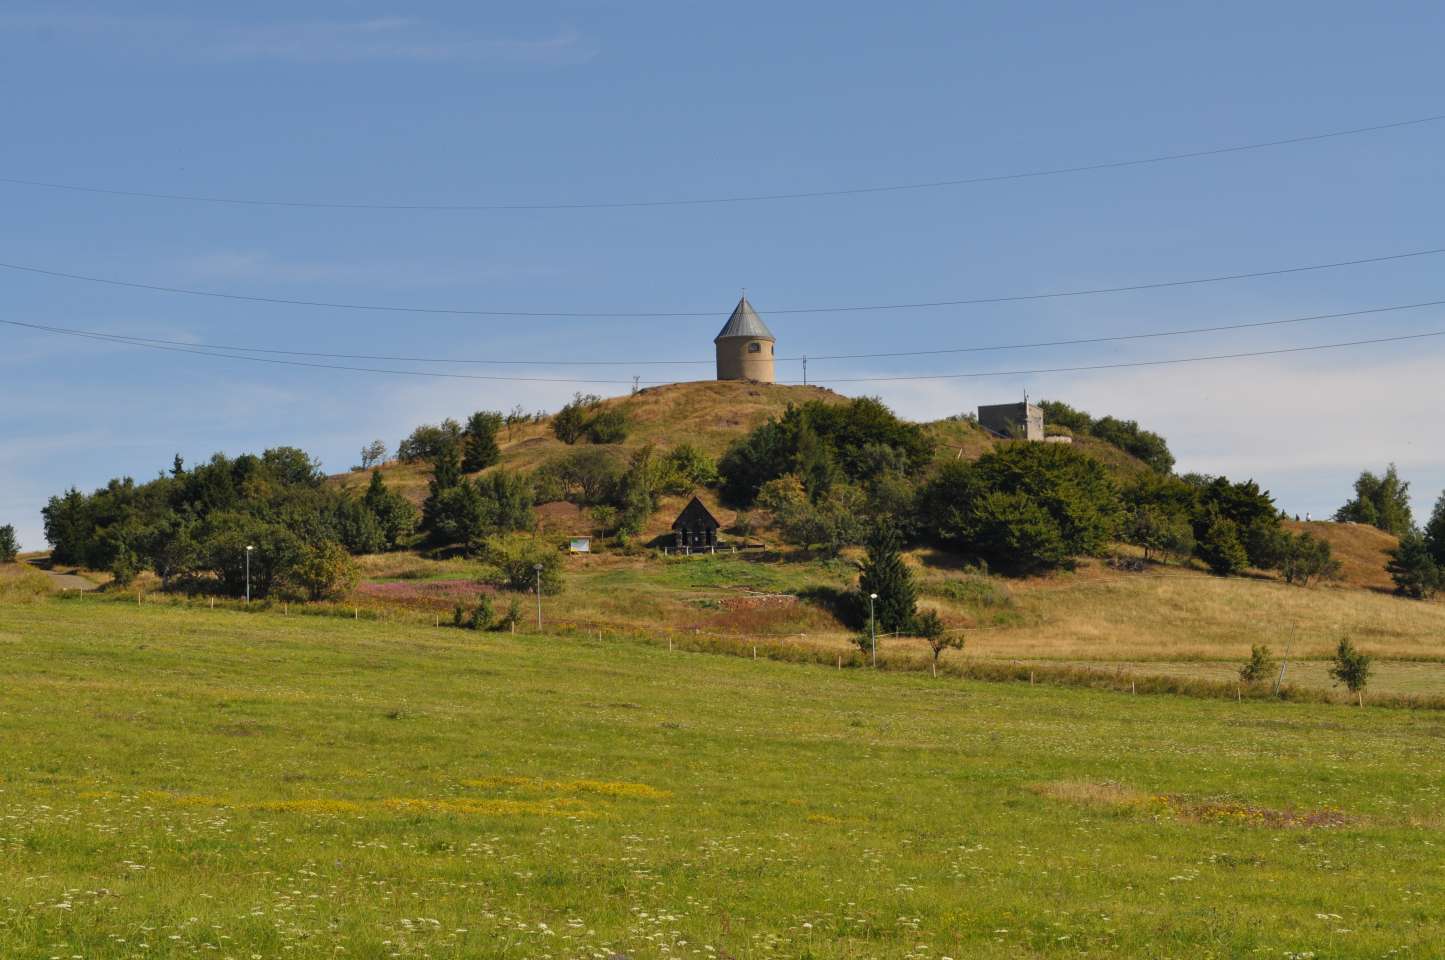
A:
745, 346
1021, 421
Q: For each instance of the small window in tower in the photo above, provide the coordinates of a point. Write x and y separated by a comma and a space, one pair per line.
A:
770, 349
755, 347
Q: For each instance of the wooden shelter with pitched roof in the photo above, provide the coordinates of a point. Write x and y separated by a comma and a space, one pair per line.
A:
695, 528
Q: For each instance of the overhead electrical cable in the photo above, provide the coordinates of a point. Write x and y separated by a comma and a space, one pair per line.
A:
736, 198
660, 314
989, 348
1120, 365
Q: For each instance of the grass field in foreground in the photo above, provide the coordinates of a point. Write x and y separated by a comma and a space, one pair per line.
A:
187, 783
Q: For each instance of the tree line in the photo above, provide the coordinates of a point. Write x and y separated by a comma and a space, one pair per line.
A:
830, 473
192, 526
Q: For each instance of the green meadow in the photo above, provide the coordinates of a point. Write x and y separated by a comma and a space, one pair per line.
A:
182, 782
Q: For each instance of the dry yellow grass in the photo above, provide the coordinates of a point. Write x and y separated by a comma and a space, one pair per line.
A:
710, 415
21, 583
1362, 551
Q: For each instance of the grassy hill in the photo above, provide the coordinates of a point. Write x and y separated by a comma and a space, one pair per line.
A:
1165, 621
1362, 550
710, 415
179, 783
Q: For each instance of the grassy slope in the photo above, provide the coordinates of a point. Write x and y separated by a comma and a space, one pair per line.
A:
21, 582
1166, 620
1362, 551
710, 415
174, 781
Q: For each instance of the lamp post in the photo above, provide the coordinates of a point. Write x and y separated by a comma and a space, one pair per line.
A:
538, 569
872, 627
249, 548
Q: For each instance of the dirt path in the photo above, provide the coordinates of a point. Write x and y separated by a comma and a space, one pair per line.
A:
68, 581
59, 579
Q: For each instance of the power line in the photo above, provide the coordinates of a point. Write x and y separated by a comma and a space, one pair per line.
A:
655, 314
108, 338
1143, 363
738, 198
1076, 341
893, 379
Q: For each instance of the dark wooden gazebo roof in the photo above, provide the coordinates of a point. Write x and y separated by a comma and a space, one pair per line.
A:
695, 515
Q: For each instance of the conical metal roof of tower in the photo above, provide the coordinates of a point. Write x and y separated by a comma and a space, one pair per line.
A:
745, 322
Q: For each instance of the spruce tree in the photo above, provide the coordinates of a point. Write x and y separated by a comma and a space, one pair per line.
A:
480, 448
1414, 570
1435, 532
446, 474
885, 574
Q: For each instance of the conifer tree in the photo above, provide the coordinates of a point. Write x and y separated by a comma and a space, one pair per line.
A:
885, 574
1435, 532
1414, 570
1382, 501
446, 474
480, 448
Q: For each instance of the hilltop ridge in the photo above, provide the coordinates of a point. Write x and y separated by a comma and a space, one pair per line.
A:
709, 415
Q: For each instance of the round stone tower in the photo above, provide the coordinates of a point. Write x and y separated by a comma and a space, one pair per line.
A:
745, 346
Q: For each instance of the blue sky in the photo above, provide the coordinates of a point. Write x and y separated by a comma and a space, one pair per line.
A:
573, 102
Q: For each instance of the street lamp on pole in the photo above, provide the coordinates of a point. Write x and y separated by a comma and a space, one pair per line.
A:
249, 548
538, 569
872, 627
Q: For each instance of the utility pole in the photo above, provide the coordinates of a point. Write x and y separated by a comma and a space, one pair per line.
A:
249, 548
805, 369
538, 569
1283, 663
635, 379
873, 627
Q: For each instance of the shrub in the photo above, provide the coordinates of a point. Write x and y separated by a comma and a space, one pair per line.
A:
394, 513
1260, 665
1160, 533
685, 468
1305, 558
836, 520
9, 546
1060, 419
1414, 570
1351, 668
570, 423
1220, 548
516, 558
1024, 505
324, 572
426, 442
821, 442
1250, 509
584, 477
512, 617
479, 617
929, 626
607, 426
